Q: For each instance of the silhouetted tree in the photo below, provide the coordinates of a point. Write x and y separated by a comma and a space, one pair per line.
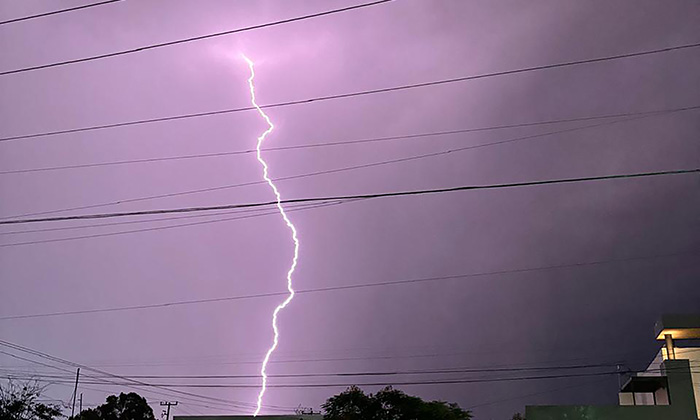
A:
129, 406
388, 404
351, 404
518, 416
19, 402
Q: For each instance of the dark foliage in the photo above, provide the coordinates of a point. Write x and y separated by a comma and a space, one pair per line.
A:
19, 402
389, 404
129, 406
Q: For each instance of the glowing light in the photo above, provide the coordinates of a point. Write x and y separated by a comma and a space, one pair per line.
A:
289, 225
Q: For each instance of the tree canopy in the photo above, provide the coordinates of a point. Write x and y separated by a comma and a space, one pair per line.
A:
19, 402
389, 404
129, 406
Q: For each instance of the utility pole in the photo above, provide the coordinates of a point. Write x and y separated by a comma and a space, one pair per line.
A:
168, 403
303, 410
81, 403
75, 392
619, 379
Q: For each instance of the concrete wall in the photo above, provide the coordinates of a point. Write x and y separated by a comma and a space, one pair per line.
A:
587, 412
692, 354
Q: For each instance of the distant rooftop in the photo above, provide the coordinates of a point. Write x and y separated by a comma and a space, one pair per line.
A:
249, 417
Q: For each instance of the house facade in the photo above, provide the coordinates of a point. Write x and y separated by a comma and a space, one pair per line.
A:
669, 388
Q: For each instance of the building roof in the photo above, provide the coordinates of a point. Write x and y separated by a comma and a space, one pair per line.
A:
680, 327
249, 417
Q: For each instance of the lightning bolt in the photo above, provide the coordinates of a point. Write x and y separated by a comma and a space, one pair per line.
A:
290, 225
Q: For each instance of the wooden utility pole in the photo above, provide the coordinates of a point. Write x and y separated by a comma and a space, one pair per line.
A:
168, 403
75, 392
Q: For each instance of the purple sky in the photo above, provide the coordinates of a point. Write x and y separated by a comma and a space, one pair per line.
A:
593, 314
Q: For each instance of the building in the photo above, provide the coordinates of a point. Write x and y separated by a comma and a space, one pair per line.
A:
250, 417
669, 389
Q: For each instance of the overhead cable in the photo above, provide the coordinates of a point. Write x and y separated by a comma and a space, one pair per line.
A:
56, 12
344, 142
436, 279
128, 381
353, 197
385, 162
358, 93
190, 39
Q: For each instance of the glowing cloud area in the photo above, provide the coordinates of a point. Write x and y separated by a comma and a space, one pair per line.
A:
290, 225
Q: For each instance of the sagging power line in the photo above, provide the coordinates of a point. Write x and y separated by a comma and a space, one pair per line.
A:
57, 12
351, 197
133, 383
358, 93
190, 39
180, 225
349, 142
336, 170
437, 279
407, 372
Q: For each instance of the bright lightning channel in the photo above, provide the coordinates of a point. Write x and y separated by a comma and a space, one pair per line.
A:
290, 225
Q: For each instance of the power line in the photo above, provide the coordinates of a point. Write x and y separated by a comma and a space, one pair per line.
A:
346, 142
322, 203
146, 393
131, 382
222, 406
387, 373
34, 361
402, 383
316, 359
258, 212
365, 358
329, 171
188, 395
191, 39
362, 358
56, 12
355, 374
159, 228
38, 363
33, 352
351, 197
346, 168
345, 287
387, 383
415, 382
357, 93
